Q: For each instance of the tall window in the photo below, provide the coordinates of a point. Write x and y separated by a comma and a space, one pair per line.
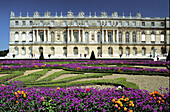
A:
109, 23
52, 23
30, 36
64, 51
41, 23
86, 50
75, 23
41, 36
98, 51
162, 37
134, 23
23, 51
134, 37
75, 36
16, 36
98, 23
153, 51
162, 23
65, 36
30, 50
16, 23
52, 36
143, 23
52, 51
31, 23
16, 50
127, 23
127, 51
86, 23
143, 37
120, 37
23, 23
152, 37
75, 50
110, 37
120, 51
99, 37
110, 50
143, 51
134, 51
162, 50
120, 23
127, 37
87, 37
23, 36
152, 24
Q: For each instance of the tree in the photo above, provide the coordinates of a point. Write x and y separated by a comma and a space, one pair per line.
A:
92, 57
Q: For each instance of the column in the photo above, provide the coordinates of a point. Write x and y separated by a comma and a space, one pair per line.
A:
71, 35
79, 36
27, 36
106, 36
89, 35
34, 36
38, 39
48, 35
117, 36
83, 39
130, 37
95, 36
45, 35
113, 35
102, 35
68, 39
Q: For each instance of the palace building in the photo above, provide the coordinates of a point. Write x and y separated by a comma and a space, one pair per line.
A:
76, 36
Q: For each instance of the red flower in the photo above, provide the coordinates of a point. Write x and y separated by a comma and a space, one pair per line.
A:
87, 89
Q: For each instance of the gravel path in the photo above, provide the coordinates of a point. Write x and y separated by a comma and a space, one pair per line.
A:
49, 73
1, 75
150, 83
64, 76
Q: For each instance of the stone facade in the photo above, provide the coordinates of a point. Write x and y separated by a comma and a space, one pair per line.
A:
77, 36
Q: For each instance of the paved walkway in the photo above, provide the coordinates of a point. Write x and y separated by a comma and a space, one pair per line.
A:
64, 76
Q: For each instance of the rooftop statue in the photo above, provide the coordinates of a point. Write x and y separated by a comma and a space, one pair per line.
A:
138, 14
70, 14
114, 14
12, 14
81, 14
103, 14
36, 14
47, 14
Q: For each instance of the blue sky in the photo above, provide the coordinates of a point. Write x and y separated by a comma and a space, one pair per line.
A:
148, 8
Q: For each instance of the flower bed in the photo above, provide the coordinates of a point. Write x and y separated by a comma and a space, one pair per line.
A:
15, 97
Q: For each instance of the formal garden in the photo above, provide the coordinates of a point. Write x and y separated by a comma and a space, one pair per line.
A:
84, 85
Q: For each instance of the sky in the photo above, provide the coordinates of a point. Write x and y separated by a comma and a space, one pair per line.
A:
148, 8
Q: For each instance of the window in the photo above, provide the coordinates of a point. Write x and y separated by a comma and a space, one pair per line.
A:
110, 37
58, 37
16, 23
16, 50
120, 51
64, 51
30, 50
127, 23
143, 37
162, 23
134, 37
152, 37
65, 36
64, 23
127, 37
143, 51
52, 23
134, 23
98, 51
23, 36
109, 23
52, 36
42, 36
152, 24
99, 37
120, 23
120, 37
127, 51
143, 23
16, 36
162, 50
41, 23
110, 50
52, 51
98, 23
86, 50
30, 36
86, 37
134, 51
23, 23
75, 23
23, 51
153, 51
86, 23
162, 37
75, 50
75, 36
31, 23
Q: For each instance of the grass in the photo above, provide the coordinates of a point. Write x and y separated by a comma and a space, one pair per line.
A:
61, 62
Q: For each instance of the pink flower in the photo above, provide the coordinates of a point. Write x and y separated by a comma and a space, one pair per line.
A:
42, 99
3, 85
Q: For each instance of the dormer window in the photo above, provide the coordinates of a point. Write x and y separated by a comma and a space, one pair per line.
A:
162, 23
120, 23
109, 23
127, 23
16, 23
133, 23
152, 24
52, 23
75, 23
86, 23
98, 23
41, 23
64, 23
31, 23
143, 23
23, 23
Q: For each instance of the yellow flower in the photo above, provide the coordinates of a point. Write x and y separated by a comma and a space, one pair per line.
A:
18, 91
130, 110
127, 99
123, 97
22, 92
15, 93
125, 108
16, 101
42, 65
163, 101
58, 87
131, 102
119, 108
132, 105
35, 66
24, 95
113, 100
121, 105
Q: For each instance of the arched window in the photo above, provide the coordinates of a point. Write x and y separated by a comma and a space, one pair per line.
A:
16, 36
143, 51
152, 37
75, 50
134, 37
86, 37
30, 36
120, 51
23, 36
110, 50
30, 50
52, 51
134, 51
23, 51
65, 51
42, 36
98, 51
162, 50
127, 51
75, 36
41, 50
52, 36
127, 37
110, 37
16, 50
143, 37
99, 37
86, 50
65, 36
120, 37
